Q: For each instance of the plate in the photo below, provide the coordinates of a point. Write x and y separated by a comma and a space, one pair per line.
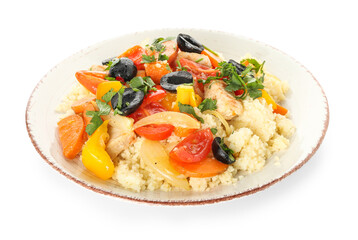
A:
306, 101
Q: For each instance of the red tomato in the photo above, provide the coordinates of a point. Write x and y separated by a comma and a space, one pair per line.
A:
239, 92
90, 80
155, 132
208, 167
154, 96
144, 111
135, 54
198, 70
194, 148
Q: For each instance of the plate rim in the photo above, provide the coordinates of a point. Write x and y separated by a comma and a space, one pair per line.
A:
178, 202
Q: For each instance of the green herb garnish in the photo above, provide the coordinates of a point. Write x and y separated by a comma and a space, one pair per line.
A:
207, 104
142, 84
210, 50
213, 130
179, 67
199, 60
162, 57
96, 121
229, 151
111, 63
185, 108
110, 78
147, 58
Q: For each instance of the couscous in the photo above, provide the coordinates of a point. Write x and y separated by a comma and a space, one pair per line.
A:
174, 115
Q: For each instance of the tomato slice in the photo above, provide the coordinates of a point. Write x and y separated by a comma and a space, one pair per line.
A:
135, 54
155, 132
208, 167
154, 96
194, 148
144, 111
198, 70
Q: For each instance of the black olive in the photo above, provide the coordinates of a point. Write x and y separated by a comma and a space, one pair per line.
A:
131, 101
125, 69
187, 43
219, 153
239, 66
107, 60
172, 80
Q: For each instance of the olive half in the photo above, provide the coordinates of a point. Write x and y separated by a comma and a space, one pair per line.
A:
125, 69
239, 67
186, 43
131, 100
107, 60
172, 80
221, 151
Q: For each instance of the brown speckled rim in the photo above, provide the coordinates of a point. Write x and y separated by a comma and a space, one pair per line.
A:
199, 202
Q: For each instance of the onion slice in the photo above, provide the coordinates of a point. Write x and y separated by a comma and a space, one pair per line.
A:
176, 119
156, 158
222, 120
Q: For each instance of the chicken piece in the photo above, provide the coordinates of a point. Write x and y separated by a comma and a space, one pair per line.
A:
195, 57
226, 104
100, 68
121, 134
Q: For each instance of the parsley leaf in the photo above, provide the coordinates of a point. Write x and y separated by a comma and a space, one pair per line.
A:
104, 108
214, 130
142, 84
111, 63
95, 122
110, 78
256, 65
229, 151
147, 58
185, 108
108, 96
207, 104
162, 57
179, 67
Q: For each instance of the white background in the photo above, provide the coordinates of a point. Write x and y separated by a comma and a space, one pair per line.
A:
318, 201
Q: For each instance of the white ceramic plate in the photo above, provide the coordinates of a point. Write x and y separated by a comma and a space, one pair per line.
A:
306, 102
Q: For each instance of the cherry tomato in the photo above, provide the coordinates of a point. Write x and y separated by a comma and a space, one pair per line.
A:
239, 92
154, 96
135, 54
168, 101
208, 167
144, 111
194, 148
155, 132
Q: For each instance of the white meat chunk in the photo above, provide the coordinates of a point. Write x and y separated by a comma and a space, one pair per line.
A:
226, 104
121, 134
204, 60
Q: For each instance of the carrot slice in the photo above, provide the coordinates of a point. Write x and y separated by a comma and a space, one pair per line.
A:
183, 132
213, 58
79, 105
71, 131
90, 80
157, 70
280, 110
140, 73
209, 167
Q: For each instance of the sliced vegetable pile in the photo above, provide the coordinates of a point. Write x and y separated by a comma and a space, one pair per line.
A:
162, 87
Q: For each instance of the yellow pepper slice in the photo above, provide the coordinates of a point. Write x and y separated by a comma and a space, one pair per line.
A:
186, 95
94, 156
269, 99
104, 87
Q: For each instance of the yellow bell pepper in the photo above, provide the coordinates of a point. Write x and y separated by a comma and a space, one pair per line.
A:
269, 99
104, 87
186, 95
94, 156
275, 107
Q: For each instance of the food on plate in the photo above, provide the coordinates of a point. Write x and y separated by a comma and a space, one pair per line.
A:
174, 115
